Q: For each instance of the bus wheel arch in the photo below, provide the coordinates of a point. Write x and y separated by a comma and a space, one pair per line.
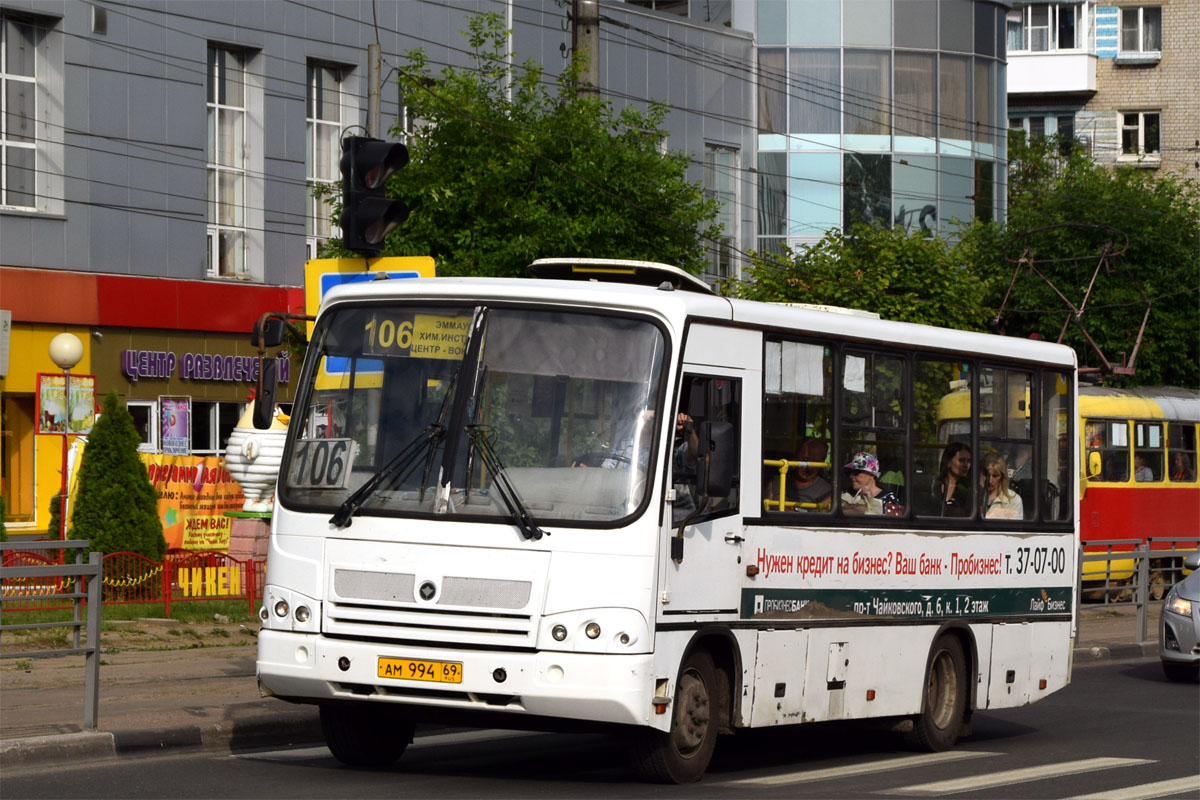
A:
701, 708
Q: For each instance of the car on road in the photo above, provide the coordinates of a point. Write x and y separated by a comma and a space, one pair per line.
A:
1179, 626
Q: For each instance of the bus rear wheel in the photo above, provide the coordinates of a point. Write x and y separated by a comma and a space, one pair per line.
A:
682, 754
937, 727
365, 734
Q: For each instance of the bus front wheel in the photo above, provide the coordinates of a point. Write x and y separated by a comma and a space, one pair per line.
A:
945, 699
681, 755
365, 734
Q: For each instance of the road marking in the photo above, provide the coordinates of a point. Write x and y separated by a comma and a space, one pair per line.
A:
1023, 775
461, 737
1147, 790
868, 768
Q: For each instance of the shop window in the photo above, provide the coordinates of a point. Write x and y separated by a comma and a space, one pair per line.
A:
211, 425
145, 420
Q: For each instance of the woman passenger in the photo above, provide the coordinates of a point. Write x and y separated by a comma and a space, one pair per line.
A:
953, 487
868, 496
1000, 502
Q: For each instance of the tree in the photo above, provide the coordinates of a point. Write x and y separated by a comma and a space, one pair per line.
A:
900, 276
1066, 209
495, 182
116, 507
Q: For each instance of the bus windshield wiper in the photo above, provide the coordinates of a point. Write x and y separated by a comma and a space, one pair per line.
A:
508, 493
424, 441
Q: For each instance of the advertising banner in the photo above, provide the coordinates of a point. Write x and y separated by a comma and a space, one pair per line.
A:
55, 414
193, 495
175, 413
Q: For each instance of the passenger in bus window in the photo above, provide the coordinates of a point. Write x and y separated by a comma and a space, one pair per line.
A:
805, 484
1181, 468
953, 488
1000, 501
1141, 473
868, 496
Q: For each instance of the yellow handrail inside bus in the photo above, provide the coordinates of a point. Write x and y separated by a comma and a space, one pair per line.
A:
784, 465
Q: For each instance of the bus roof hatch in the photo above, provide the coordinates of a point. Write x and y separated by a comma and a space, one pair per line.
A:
616, 270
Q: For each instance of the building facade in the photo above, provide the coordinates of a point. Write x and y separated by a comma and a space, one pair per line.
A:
1119, 77
157, 160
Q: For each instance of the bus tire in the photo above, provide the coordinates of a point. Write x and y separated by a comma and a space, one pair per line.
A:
944, 700
365, 734
682, 754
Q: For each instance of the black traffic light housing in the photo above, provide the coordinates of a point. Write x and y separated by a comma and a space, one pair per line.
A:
368, 214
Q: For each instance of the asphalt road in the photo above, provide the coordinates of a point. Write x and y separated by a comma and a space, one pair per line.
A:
1119, 728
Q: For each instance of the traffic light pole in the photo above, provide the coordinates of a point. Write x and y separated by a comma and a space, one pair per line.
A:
374, 66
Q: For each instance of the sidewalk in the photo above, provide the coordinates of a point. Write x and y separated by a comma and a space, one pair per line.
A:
207, 699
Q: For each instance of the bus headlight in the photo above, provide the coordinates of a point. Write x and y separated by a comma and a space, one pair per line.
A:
290, 611
595, 630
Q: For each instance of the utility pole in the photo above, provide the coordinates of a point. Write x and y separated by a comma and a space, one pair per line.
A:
374, 66
585, 38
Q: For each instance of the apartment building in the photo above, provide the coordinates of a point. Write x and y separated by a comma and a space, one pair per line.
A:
1120, 77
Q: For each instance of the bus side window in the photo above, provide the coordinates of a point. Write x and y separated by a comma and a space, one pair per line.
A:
1148, 451
1181, 452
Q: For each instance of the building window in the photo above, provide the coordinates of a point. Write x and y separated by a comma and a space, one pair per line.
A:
145, 421
720, 184
1141, 29
18, 114
211, 425
1140, 134
1042, 27
226, 163
322, 148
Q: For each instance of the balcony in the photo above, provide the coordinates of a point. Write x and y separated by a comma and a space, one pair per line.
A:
1067, 72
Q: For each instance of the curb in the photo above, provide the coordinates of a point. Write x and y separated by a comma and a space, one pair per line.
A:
35, 751
1083, 655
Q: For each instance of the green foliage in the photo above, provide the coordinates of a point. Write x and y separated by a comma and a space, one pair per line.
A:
55, 516
495, 182
1091, 207
905, 277
116, 507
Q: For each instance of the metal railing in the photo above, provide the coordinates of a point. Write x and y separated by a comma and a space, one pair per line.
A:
75, 582
1130, 572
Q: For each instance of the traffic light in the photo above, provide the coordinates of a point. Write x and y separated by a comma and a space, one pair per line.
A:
367, 212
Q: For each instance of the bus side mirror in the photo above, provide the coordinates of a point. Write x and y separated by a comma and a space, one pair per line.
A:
718, 449
268, 332
264, 394
1094, 464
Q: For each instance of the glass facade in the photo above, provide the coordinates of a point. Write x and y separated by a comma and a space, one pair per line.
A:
880, 111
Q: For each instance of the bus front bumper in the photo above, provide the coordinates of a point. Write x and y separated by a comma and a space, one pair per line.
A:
592, 687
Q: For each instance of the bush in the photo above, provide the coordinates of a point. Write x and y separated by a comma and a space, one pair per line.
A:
116, 507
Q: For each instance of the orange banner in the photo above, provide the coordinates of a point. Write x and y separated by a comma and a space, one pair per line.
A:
193, 495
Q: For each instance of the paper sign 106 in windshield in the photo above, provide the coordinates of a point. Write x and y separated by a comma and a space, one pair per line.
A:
422, 336
322, 463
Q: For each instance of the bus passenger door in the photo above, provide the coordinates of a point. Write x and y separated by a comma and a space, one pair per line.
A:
704, 523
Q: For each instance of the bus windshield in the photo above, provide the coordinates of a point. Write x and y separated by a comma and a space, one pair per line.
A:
555, 409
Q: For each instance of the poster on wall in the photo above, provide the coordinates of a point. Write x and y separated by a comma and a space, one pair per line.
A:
176, 416
194, 493
55, 414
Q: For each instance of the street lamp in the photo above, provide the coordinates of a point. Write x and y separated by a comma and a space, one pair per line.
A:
65, 350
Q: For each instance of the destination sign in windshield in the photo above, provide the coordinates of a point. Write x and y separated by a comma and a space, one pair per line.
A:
418, 336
